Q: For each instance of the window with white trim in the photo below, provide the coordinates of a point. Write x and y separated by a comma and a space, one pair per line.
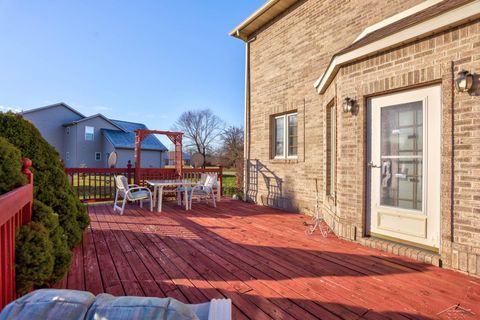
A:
67, 156
89, 133
285, 136
331, 142
68, 130
98, 156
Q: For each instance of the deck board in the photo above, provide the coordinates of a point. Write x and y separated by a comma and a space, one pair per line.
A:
260, 258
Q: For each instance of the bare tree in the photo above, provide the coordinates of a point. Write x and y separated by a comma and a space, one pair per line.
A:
201, 129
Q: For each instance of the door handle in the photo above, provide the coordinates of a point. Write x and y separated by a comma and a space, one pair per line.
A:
372, 165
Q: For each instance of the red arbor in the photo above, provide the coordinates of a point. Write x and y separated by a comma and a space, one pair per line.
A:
175, 137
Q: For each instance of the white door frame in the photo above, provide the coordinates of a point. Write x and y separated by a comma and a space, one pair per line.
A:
420, 228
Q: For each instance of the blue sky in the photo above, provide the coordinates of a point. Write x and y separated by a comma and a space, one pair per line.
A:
144, 61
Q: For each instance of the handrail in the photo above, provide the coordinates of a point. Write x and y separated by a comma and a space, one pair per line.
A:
97, 184
16, 210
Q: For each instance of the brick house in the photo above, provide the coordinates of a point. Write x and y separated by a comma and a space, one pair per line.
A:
359, 97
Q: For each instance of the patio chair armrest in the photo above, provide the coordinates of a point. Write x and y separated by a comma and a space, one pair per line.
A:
196, 187
129, 191
133, 185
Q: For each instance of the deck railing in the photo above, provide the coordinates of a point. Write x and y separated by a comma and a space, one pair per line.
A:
15, 211
98, 184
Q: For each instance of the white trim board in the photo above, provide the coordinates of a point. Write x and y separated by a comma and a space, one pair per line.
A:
431, 26
397, 17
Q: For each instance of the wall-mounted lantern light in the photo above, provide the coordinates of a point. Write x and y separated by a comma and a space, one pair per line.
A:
464, 81
348, 105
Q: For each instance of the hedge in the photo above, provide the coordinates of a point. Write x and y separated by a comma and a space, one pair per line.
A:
34, 259
11, 175
43, 253
50, 182
62, 254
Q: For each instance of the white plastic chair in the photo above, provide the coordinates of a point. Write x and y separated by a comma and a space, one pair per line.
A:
130, 192
204, 189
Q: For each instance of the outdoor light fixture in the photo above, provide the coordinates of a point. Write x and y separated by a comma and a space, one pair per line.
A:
464, 81
348, 105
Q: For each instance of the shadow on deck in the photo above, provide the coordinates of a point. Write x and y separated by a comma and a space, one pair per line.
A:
261, 259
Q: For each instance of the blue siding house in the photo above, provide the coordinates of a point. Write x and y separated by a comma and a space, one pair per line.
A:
88, 141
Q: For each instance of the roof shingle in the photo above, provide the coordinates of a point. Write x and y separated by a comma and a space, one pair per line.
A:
126, 139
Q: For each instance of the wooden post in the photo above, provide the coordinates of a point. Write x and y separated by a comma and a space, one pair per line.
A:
138, 154
129, 172
27, 212
179, 155
27, 163
221, 180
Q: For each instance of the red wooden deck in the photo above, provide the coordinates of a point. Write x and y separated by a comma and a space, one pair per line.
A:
261, 259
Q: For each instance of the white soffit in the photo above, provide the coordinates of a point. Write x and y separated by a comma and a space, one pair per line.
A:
430, 26
259, 18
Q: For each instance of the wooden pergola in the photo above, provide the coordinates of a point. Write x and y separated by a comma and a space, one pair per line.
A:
175, 137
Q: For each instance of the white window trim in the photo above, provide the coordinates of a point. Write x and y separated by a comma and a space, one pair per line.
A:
284, 155
333, 152
100, 158
93, 133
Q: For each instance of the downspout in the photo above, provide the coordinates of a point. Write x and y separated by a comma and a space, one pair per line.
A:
246, 138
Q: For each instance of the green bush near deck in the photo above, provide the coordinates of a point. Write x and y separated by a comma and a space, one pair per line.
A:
34, 258
62, 254
50, 182
11, 175
59, 218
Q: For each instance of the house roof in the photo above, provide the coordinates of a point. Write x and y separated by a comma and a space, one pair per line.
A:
431, 20
129, 126
126, 139
98, 115
261, 17
60, 104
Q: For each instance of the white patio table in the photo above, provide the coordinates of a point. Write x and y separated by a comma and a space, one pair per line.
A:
158, 186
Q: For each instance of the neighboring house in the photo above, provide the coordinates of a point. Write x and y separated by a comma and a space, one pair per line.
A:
88, 141
359, 96
169, 158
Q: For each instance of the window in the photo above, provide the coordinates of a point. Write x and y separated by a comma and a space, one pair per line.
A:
89, 132
285, 136
331, 139
98, 156
67, 156
67, 130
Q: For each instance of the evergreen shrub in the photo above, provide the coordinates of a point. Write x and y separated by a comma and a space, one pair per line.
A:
11, 175
34, 259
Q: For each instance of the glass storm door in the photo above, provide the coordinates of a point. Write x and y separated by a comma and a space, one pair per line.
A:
404, 166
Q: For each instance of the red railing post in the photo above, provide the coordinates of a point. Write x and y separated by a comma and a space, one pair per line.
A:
129, 172
27, 163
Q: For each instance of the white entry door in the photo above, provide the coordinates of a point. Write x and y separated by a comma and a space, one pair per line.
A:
404, 166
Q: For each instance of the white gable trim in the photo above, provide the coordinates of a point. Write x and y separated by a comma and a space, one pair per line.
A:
60, 104
397, 17
436, 24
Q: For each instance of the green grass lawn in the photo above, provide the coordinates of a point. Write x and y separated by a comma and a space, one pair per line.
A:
228, 184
